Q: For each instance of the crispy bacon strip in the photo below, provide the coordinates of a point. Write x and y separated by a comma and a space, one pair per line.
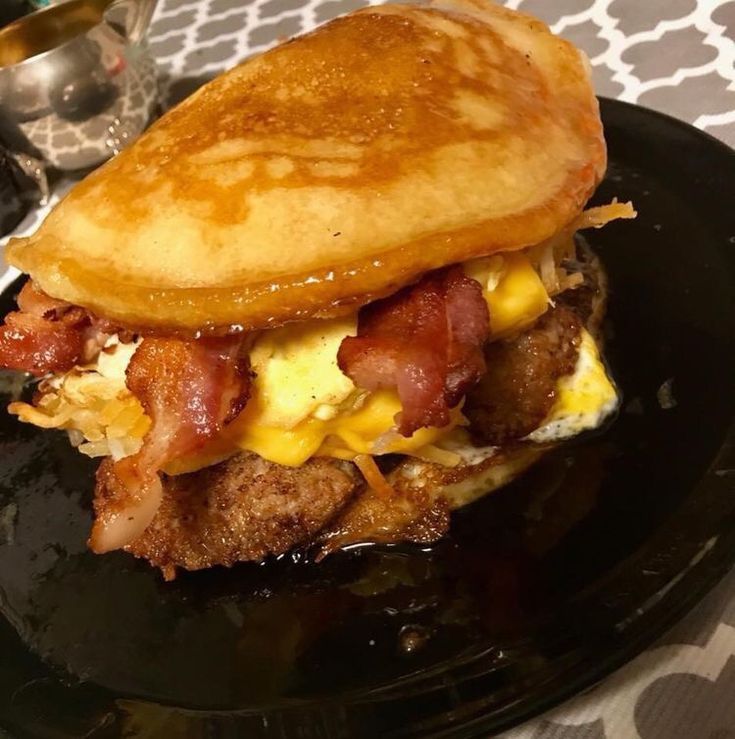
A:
48, 335
35, 345
43, 336
190, 389
425, 341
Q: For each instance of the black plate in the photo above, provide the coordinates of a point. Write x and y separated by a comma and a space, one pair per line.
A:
541, 589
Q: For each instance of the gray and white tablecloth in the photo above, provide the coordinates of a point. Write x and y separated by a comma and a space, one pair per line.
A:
677, 56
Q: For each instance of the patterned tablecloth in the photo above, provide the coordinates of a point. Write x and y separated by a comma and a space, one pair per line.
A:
677, 56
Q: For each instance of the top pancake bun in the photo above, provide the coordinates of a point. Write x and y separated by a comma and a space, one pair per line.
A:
332, 170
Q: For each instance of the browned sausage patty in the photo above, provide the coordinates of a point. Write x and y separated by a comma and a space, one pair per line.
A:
518, 388
239, 510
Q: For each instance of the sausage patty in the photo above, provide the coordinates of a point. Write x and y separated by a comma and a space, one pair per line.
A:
517, 391
242, 509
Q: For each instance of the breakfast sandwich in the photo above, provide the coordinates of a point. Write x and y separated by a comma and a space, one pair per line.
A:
330, 297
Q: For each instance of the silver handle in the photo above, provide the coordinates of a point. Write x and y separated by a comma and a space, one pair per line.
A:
136, 16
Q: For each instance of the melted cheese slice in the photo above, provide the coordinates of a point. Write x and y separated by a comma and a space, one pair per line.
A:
366, 429
513, 290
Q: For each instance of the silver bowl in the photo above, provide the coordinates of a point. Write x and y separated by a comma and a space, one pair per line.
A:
77, 82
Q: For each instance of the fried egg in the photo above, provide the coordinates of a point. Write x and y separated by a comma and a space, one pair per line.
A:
584, 399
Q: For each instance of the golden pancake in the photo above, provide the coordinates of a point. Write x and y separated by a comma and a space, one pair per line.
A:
331, 170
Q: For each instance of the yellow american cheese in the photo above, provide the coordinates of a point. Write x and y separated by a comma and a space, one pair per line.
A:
367, 429
514, 292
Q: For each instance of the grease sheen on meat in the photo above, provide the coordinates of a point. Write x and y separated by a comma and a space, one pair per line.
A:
517, 390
